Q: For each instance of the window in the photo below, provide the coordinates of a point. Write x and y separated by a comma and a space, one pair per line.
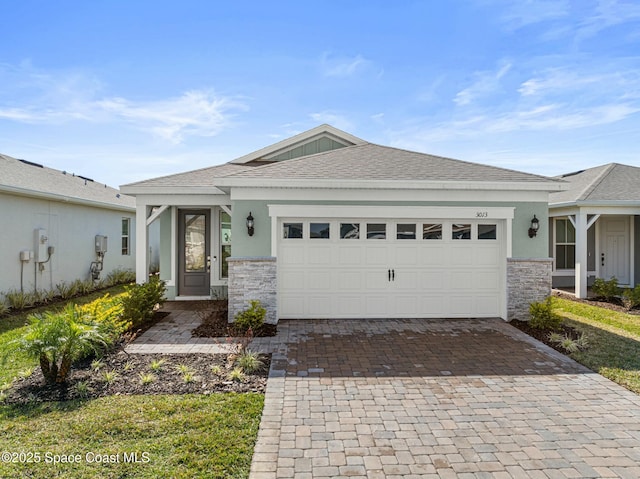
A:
349, 230
487, 232
126, 243
431, 231
376, 231
225, 243
460, 231
292, 230
319, 230
565, 244
406, 231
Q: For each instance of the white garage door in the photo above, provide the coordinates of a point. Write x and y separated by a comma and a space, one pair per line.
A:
382, 268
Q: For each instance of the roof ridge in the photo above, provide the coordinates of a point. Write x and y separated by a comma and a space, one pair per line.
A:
599, 179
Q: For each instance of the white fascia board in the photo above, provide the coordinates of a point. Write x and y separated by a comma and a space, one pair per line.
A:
184, 199
610, 208
274, 194
283, 145
404, 212
306, 183
64, 199
170, 190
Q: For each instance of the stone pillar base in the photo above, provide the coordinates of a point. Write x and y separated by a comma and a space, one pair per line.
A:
250, 279
528, 281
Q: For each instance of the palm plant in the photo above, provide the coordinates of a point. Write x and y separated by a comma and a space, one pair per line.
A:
57, 339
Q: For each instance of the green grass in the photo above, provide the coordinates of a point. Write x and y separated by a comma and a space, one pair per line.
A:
12, 327
193, 436
614, 341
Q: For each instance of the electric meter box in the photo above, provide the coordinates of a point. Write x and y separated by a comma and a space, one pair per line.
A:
41, 241
101, 244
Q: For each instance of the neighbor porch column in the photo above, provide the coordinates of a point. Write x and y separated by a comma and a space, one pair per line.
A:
581, 254
142, 244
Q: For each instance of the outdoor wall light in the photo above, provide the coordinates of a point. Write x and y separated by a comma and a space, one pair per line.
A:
535, 224
250, 224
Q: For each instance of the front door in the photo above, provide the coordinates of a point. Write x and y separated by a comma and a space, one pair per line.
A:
614, 256
194, 248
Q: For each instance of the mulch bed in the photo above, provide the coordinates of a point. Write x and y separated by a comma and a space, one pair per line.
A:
209, 371
215, 324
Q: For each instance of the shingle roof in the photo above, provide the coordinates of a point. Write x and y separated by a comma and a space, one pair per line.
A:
31, 179
200, 177
611, 182
375, 162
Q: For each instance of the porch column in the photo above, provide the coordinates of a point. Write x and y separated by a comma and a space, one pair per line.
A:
142, 244
581, 254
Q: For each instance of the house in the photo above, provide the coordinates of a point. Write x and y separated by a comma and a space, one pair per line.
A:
58, 227
593, 227
327, 225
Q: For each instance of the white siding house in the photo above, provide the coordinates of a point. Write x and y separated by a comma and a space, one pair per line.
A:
50, 222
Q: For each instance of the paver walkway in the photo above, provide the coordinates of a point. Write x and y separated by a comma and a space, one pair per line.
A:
425, 399
438, 399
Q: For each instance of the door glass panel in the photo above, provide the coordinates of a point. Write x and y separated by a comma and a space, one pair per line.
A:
319, 230
406, 231
225, 243
194, 243
292, 230
431, 231
460, 231
487, 232
571, 233
376, 230
561, 231
349, 230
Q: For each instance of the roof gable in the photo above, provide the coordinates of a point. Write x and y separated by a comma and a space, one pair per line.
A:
31, 179
317, 140
612, 182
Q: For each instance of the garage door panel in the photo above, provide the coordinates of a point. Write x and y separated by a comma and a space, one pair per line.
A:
293, 280
319, 255
432, 256
318, 280
433, 280
376, 306
291, 306
376, 255
407, 255
349, 280
460, 280
406, 280
292, 255
319, 306
377, 279
462, 255
432, 305
348, 306
487, 305
486, 280
350, 255
487, 256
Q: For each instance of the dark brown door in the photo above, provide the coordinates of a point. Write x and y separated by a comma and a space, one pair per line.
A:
194, 268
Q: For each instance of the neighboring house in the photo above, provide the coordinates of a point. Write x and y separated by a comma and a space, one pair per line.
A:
593, 227
326, 225
50, 223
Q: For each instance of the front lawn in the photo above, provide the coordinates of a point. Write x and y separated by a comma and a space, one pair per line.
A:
614, 340
176, 436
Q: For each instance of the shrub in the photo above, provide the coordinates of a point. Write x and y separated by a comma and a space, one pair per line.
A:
251, 318
608, 290
543, 317
58, 339
4, 308
19, 300
119, 276
107, 311
141, 300
250, 361
630, 297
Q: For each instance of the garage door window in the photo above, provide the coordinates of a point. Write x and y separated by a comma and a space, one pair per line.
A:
406, 231
376, 231
460, 231
319, 230
292, 230
487, 232
349, 230
432, 231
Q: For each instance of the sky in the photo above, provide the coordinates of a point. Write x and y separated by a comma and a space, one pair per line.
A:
121, 91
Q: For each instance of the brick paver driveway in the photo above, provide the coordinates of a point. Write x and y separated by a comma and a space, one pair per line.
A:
426, 398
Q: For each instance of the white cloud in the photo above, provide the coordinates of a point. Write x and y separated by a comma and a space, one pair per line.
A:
53, 98
486, 83
333, 119
528, 12
343, 66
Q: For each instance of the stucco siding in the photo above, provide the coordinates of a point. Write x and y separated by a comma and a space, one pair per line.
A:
70, 229
636, 246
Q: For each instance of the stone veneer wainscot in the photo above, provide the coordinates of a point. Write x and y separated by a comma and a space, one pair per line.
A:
253, 278
528, 281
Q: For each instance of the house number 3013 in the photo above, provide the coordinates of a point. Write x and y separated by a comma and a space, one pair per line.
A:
482, 214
